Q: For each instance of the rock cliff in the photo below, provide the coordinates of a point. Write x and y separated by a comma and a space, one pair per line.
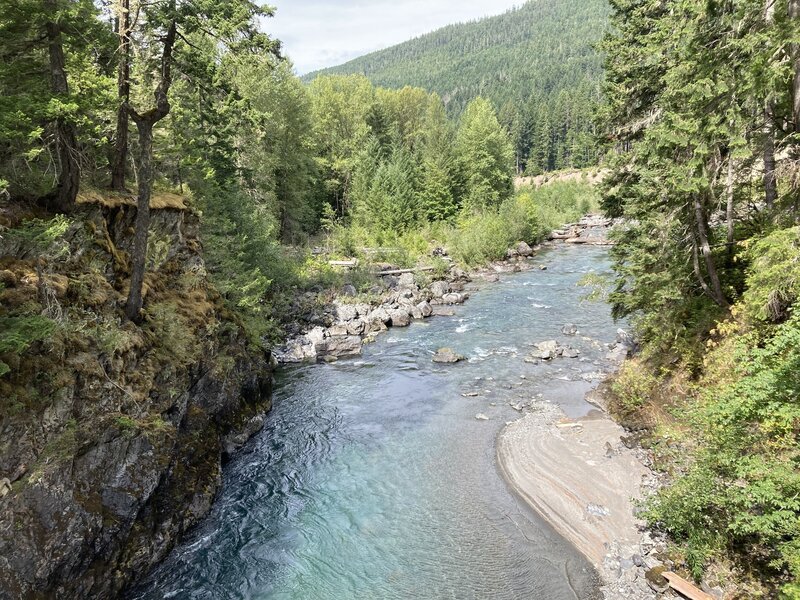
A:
112, 434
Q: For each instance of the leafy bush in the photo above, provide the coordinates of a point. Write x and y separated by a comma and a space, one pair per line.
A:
741, 492
632, 387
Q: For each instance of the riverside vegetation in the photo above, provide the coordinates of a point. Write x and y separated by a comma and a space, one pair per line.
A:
170, 197
703, 110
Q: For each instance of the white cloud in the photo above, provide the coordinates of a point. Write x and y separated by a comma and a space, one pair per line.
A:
317, 34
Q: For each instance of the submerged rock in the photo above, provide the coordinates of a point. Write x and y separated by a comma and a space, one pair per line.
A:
569, 329
447, 355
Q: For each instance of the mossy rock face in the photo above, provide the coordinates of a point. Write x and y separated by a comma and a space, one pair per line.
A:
114, 433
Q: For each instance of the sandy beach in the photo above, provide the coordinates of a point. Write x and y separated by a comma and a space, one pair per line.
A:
579, 476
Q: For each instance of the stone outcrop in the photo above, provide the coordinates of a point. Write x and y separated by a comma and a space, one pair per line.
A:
119, 450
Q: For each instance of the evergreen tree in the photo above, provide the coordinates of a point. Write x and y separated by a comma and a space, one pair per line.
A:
485, 157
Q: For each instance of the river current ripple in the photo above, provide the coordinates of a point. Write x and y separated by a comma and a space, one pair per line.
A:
373, 479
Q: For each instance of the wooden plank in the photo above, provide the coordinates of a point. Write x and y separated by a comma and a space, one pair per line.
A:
689, 590
343, 263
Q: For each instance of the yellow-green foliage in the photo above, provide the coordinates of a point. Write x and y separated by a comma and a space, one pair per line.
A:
39, 235
774, 276
633, 386
528, 216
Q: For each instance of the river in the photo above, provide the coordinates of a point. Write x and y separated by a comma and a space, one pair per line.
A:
372, 478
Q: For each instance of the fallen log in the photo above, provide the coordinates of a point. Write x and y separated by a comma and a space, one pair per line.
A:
680, 585
343, 263
403, 271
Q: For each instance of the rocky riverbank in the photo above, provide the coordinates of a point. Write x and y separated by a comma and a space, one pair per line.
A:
400, 300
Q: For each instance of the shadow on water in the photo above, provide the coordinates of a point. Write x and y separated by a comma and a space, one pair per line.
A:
373, 479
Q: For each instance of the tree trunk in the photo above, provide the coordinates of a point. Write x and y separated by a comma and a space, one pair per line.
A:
142, 227
770, 187
794, 13
701, 226
770, 184
729, 188
145, 123
66, 138
120, 155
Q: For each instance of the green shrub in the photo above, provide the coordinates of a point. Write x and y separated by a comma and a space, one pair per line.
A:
632, 387
741, 490
18, 333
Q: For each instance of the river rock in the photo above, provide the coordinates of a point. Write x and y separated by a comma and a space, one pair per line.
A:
447, 355
545, 350
316, 335
439, 288
453, 298
481, 417
296, 351
460, 274
379, 314
337, 329
349, 290
416, 313
357, 327
570, 352
618, 353
399, 317
406, 280
340, 345
569, 329
625, 338
524, 249
346, 312
425, 308
363, 309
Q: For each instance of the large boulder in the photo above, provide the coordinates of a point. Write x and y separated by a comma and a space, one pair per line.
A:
545, 351
454, 298
406, 280
339, 346
524, 249
439, 288
425, 308
363, 309
377, 320
400, 317
357, 327
346, 312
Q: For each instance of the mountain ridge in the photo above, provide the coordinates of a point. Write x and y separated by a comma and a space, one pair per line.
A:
537, 63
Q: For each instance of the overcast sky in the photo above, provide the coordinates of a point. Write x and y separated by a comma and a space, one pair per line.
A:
324, 33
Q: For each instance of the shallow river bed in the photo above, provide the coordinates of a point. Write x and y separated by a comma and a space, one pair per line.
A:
373, 479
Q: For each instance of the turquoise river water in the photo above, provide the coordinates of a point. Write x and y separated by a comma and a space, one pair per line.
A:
373, 479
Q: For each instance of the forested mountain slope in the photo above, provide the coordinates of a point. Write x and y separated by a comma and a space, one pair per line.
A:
537, 63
